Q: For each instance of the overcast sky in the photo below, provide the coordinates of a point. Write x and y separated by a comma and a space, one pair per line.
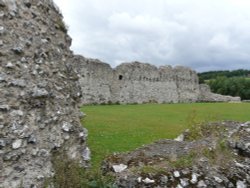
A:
202, 34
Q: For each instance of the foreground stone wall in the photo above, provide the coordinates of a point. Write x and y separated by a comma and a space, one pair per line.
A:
140, 83
38, 94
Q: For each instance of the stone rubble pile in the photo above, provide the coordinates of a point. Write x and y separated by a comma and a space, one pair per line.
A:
221, 158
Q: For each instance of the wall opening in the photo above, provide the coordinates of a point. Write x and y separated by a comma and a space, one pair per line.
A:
120, 77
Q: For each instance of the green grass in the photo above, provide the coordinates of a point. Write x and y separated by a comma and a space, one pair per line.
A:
120, 128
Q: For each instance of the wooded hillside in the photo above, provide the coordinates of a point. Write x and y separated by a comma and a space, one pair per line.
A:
234, 83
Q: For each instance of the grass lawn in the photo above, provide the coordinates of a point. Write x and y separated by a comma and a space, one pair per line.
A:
119, 128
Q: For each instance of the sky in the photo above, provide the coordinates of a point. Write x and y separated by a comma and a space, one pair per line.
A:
201, 34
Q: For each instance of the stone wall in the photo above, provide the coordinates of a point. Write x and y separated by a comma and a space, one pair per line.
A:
207, 96
38, 94
94, 77
140, 83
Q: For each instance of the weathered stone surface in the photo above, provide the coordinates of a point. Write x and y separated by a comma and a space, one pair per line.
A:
119, 168
95, 79
38, 94
218, 158
140, 83
17, 144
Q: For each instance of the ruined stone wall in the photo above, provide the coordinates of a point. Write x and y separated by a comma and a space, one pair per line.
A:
140, 83
94, 77
207, 96
38, 93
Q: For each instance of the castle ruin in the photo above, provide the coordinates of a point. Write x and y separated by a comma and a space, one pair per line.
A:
139, 83
40, 93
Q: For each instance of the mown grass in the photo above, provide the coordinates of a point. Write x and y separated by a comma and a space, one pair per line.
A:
119, 128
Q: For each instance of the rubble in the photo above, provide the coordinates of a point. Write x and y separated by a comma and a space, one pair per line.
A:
214, 159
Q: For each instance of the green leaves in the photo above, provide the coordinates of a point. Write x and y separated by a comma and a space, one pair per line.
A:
236, 86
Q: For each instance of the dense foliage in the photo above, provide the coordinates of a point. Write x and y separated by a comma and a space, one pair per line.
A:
234, 83
235, 86
214, 74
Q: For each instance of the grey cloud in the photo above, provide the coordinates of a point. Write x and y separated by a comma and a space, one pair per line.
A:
204, 35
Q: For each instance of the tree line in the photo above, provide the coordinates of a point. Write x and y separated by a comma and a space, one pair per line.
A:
234, 83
